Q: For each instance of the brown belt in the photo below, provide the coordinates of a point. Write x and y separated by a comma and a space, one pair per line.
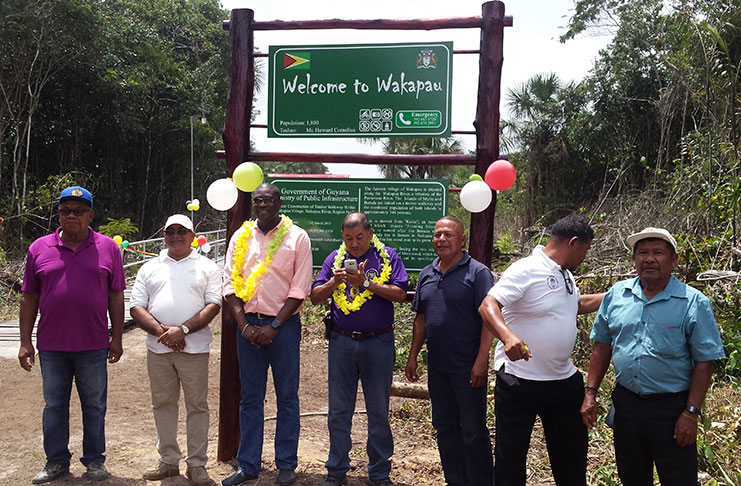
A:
362, 336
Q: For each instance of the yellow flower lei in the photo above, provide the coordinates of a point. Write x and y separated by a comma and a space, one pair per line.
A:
339, 296
245, 288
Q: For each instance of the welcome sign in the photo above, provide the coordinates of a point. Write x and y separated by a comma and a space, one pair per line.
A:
362, 90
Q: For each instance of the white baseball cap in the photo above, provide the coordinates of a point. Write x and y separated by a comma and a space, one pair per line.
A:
180, 219
651, 232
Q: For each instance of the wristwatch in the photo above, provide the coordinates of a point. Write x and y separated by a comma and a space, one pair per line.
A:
692, 409
366, 284
185, 329
275, 324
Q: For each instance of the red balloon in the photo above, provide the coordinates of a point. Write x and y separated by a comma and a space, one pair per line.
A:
202, 240
500, 175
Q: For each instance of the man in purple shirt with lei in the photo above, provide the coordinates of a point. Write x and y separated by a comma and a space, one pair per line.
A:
361, 344
74, 277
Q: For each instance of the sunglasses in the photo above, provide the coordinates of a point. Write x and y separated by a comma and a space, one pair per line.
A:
179, 231
77, 211
263, 199
567, 281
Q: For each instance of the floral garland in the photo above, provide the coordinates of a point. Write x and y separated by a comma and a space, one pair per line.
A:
339, 296
245, 288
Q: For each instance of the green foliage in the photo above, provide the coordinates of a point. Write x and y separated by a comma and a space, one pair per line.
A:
122, 227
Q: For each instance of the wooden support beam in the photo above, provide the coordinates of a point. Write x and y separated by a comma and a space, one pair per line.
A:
378, 24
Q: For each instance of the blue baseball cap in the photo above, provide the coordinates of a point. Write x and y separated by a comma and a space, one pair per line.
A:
77, 193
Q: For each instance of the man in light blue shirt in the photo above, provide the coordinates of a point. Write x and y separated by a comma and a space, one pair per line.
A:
662, 338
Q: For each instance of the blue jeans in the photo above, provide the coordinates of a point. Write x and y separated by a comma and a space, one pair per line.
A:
283, 357
90, 372
371, 361
459, 418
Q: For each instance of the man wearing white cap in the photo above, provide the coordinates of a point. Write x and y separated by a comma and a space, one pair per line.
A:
662, 338
174, 298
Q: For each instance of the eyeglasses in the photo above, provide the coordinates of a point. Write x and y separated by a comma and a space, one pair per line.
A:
567, 281
263, 199
78, 211
179, 231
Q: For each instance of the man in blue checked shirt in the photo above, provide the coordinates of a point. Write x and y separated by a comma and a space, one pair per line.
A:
662, 338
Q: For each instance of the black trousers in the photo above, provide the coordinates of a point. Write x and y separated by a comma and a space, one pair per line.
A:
644, 436
517, 403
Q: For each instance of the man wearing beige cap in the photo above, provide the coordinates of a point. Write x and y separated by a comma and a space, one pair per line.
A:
662, 338
174, 298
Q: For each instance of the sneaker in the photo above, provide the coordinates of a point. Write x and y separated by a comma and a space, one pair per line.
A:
198, 476
380, 482
97, 472
161, 471
335, 481
286, 476
238, 478
50, 473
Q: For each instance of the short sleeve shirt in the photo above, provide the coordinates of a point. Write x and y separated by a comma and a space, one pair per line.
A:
73, 288
450, 303
655, 343
538, 308
376, 313
173, 291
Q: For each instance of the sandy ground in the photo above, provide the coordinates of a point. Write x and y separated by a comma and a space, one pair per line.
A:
131, 435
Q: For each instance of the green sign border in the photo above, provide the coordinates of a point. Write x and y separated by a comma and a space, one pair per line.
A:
444, 131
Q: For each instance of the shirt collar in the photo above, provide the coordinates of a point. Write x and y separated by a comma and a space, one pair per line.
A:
552, 265
463, 261
164, 256
674, 288
59, 241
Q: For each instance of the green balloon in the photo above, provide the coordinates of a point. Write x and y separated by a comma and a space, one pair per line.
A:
247, 176
125, 243
475, 177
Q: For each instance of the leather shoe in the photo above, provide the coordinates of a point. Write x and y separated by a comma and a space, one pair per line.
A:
161, 471
286, 476
238, 478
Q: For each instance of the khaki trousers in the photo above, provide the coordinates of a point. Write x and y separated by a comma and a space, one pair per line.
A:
167, 372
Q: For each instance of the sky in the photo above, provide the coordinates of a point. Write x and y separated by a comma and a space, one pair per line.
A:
531, 47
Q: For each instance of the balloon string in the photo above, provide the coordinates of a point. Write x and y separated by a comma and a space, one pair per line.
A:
140, 252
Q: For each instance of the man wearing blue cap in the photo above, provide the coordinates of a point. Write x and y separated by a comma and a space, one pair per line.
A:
74, 277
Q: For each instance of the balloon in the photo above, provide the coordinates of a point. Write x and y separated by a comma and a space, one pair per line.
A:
206, 247
195, 207
118, 239
475, 177
475, 196
500, 175
189, 207
125, 243
222, 194
201, 240
247, 176
194, 243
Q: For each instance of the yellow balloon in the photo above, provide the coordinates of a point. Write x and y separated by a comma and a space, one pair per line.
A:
118, 239
194, 243
247, 176
195, 208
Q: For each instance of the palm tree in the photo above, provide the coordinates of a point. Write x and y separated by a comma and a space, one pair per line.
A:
419, 146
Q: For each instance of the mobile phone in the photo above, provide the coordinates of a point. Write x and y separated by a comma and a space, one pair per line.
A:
351, 265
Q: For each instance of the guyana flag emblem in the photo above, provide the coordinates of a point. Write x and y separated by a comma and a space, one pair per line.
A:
297, 60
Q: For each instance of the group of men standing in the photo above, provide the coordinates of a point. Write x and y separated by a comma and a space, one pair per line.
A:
660, 334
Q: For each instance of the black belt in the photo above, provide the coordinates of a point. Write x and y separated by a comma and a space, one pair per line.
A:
651, 395
259, 316
362, 336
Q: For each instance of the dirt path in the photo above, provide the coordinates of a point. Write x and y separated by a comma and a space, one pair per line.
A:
131, 435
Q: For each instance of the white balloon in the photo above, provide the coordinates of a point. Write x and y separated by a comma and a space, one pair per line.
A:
206, 247
222, 194
475, 196
195, 202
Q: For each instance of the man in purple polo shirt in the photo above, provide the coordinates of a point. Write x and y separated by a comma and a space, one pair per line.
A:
364, 278
74, 277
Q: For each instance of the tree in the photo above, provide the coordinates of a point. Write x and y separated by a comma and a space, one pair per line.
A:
419, 146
